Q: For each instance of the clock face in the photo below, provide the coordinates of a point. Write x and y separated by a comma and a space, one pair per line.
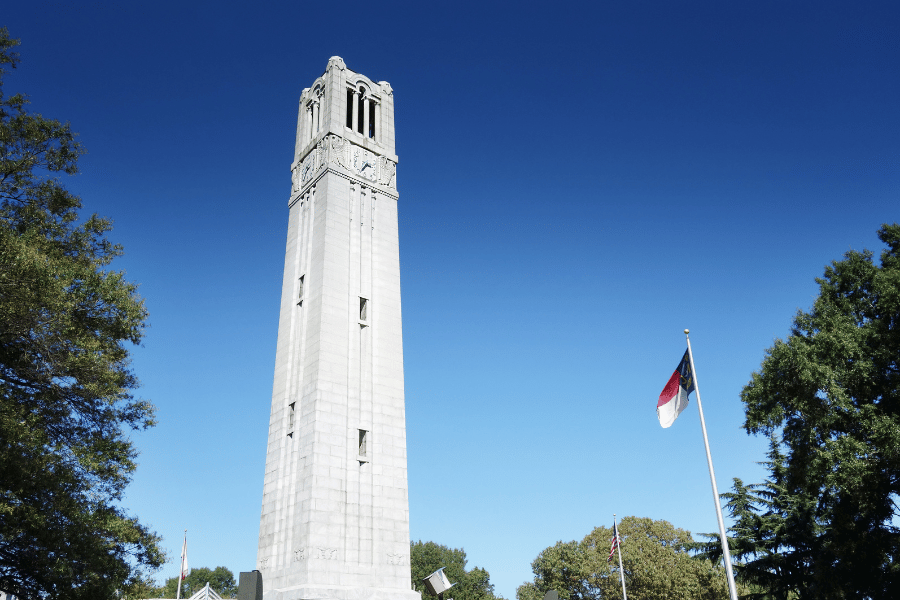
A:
307, 170
364, 164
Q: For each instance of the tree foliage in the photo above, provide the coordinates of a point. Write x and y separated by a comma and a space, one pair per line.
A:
824, 523
427, 557
656, 558
65, 383
220, 579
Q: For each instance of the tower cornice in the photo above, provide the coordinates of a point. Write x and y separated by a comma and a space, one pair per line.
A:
347, 159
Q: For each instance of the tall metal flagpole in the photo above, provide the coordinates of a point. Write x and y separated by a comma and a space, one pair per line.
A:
732, 589
619, 548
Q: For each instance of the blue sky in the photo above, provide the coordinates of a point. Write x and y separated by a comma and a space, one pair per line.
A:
579, 182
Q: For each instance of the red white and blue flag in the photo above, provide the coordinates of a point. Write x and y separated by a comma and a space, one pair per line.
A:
674, 397
615, 542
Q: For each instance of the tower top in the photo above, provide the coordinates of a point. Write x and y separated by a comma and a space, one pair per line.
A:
346, 125
348, 104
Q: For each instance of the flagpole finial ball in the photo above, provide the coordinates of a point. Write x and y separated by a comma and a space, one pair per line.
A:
687, 331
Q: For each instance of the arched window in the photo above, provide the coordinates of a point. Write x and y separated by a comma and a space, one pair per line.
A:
361, 111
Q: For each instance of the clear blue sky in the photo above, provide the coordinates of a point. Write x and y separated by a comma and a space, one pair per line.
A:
579, 182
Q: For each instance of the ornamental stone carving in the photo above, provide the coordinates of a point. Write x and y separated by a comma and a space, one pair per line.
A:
320, 155
334, 149
295, 177
325, 553
395, 559
338, 150
388, 172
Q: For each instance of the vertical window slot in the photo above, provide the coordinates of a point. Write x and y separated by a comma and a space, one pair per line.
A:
363, 309
361, 111
350, 108
363, 442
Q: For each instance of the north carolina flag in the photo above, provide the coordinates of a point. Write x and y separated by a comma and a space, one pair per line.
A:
674, 397
184, 563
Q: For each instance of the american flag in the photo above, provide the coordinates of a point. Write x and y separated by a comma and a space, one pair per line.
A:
615, 542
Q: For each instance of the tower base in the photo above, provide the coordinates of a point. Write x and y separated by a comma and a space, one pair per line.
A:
332, 592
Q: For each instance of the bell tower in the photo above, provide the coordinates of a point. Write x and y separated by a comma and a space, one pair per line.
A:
335, 514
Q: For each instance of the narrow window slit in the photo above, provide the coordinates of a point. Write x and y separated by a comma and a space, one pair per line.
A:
362, 110
363, 309
363, 442
350, 108
290, 426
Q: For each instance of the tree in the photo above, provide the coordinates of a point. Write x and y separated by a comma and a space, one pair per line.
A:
141, 589
655, 555
771, 537
427, 557
823, 525
65, 384
220, 579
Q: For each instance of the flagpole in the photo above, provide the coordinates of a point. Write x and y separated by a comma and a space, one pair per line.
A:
181, 567
619, 548
732, 589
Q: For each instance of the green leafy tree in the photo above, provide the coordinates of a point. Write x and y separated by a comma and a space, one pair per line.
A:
824, 524
427, 557
65, 383
141, 589
220, 579
656, 558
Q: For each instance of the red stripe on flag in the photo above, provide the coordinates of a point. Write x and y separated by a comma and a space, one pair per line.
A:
670, 390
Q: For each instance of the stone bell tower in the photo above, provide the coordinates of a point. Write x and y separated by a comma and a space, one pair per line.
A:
335, 514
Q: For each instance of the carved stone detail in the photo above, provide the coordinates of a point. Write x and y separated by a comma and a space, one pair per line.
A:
361, 161
338, 151
295, 177
395, 559
325, 553
300, 554
387, 172
263, 563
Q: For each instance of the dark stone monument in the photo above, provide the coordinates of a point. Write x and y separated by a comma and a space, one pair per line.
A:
250, 586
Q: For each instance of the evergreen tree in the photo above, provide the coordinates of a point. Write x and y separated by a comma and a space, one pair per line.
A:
824, 524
